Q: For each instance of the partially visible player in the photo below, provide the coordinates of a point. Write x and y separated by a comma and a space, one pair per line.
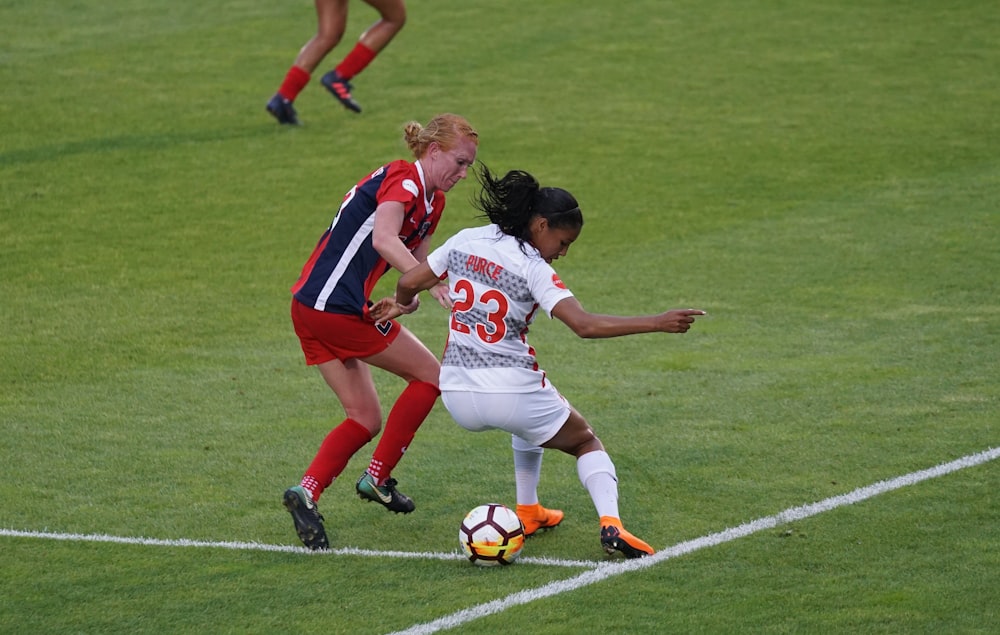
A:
331, 16
499, 276
385, 221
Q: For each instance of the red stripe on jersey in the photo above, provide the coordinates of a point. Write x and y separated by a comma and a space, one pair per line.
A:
380, 269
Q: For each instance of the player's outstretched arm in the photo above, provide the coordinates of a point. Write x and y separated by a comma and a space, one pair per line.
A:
593, 325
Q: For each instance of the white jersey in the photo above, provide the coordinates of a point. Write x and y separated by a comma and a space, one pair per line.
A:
496, 289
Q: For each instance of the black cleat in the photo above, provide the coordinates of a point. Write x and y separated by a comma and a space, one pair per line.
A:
340, 88
282, 110
385, 495
308, 520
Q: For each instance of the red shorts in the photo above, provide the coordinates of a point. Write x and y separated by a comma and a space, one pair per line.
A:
325, 336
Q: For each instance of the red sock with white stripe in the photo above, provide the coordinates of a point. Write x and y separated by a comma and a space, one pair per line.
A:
336, 450
409, 411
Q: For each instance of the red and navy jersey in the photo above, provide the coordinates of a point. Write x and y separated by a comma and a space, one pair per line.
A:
344, 266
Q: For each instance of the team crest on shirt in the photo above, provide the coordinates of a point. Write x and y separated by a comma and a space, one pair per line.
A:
556, 281
411, 187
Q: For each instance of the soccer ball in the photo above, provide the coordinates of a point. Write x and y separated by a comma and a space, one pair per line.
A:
491, 534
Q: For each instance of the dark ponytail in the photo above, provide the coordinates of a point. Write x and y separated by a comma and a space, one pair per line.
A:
513, 201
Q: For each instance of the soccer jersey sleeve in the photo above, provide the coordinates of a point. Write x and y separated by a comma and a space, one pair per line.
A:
546, 287
437, 260
399, 184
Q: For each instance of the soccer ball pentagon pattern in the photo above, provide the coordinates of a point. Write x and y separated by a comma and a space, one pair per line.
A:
491, 534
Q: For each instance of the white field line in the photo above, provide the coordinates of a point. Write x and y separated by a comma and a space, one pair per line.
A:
608, 569
255, 546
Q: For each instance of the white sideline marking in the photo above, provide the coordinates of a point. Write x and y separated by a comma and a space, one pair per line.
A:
256, 546
607, 570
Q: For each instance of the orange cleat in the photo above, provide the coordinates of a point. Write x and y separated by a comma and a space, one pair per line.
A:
535, 517
615, 538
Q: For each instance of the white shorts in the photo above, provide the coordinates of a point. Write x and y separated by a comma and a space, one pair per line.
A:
535, 416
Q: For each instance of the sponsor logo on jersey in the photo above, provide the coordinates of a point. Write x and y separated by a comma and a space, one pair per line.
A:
410, 187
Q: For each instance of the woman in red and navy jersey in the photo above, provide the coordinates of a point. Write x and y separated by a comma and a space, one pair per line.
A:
384, 222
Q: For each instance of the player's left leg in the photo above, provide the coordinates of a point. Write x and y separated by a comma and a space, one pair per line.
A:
597, 474
408, 358
392, 18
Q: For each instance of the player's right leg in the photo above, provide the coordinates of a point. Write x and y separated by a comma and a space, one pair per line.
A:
332, 343
352, 382
305, 514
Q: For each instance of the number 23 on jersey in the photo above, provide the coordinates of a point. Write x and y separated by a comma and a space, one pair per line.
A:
496, 307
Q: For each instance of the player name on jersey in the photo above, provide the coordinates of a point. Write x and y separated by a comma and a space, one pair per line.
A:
478, 264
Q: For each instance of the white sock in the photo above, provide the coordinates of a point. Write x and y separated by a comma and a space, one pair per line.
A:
597, 473
527, 470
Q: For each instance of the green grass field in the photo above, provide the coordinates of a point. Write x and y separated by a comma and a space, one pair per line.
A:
822, 177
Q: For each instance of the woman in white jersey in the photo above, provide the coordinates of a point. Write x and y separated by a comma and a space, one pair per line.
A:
499, 275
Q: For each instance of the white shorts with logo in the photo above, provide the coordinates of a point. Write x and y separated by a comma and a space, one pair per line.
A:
535, 416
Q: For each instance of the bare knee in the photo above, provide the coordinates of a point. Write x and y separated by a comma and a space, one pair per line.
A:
366, 411
368, 419
576, 437
430, 374
426, 373
396, 22
593, 444
408, 359
392, 11
327, 38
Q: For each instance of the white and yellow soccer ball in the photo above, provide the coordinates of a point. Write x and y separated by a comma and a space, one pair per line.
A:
491, 534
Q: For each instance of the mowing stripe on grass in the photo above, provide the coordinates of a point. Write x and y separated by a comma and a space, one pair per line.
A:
256, 546
607, 570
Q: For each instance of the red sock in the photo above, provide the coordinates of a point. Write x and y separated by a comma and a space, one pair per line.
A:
409, 411
356, 61
295, 80
336, 450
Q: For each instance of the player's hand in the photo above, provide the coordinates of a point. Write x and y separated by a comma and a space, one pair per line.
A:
678, 320
442, 295
385, 310
411, 307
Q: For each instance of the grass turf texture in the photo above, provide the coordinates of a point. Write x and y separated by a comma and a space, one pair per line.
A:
821, 177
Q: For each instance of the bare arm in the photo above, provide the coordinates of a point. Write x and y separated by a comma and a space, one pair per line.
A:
439, 291
424, 248
389, 218
385, 236
417, 279
592, 325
